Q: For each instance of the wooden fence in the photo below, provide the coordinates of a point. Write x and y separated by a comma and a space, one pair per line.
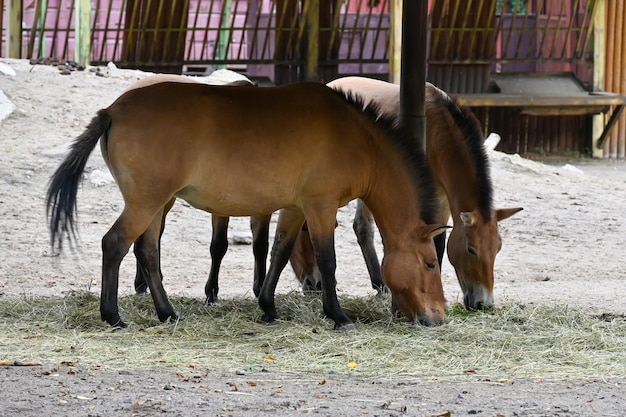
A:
279, 40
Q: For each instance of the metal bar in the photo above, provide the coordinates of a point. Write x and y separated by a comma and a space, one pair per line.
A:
118, 32
568, 29
192, 39
378, 29
591, 9
557, 30
68, 28
354, 27
335, 27
33, 31
243, 28
205, 41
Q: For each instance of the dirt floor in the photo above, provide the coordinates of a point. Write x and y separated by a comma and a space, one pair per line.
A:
565, 247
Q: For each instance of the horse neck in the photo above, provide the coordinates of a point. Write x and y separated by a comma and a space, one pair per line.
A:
394, 201
452, 164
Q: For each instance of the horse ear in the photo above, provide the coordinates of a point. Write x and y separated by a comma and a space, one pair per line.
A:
505, 213
468, 218
432, 230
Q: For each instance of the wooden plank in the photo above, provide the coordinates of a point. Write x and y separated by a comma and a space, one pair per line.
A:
312, 16
395, 38
511, 100
14, 29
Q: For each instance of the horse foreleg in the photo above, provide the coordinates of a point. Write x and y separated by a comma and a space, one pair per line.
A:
321, 225
290, 221
219, 246
363, 226
141, 278
260, 226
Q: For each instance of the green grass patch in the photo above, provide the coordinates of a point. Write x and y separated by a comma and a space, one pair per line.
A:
515, 341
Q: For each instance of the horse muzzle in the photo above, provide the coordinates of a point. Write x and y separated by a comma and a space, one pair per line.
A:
477, 298
435, 318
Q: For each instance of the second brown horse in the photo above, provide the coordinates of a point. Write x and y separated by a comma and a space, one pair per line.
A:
455, 152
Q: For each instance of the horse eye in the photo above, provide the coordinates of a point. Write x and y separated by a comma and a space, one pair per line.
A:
472, 251
430, 266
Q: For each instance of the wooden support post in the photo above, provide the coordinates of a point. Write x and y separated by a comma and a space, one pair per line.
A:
599, 57
312, 10
14, 29
395, 39
83, 32
413, 68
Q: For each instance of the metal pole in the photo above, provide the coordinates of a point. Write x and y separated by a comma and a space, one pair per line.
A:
413, 68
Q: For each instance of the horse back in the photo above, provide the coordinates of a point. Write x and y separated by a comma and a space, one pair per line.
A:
218, 145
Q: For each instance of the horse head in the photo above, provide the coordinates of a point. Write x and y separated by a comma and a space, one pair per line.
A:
417, 292
472, 248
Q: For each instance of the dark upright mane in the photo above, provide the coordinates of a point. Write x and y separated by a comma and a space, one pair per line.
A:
470, 128
412, 155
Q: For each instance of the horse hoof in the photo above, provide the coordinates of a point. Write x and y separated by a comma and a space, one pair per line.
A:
117, 323
170, 316
345, 327
269, 318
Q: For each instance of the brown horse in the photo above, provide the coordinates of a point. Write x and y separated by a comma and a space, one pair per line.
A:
304, 148
219, 239
455, 152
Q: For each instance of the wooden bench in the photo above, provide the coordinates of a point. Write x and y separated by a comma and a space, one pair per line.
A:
547, 94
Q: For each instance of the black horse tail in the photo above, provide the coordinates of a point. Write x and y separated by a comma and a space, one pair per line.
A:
61, 197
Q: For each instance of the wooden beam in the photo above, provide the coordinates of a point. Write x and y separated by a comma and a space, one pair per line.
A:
14, 29
83, 32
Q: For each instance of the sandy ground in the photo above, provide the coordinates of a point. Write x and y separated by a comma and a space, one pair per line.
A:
565, 247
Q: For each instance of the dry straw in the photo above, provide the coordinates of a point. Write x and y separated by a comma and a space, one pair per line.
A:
515, 341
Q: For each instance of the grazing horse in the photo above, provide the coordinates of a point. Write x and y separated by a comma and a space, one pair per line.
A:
455, 152
219, 239
304, 148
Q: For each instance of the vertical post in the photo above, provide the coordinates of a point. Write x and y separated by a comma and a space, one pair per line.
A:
14, 29
599, 56
312, 10
83, 32
395, 48
413, 68
222, 44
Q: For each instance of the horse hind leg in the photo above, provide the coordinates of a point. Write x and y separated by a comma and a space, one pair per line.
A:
141, 276
260, 226
149, 257
219, 246
363, 226
290, 221
131, 224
